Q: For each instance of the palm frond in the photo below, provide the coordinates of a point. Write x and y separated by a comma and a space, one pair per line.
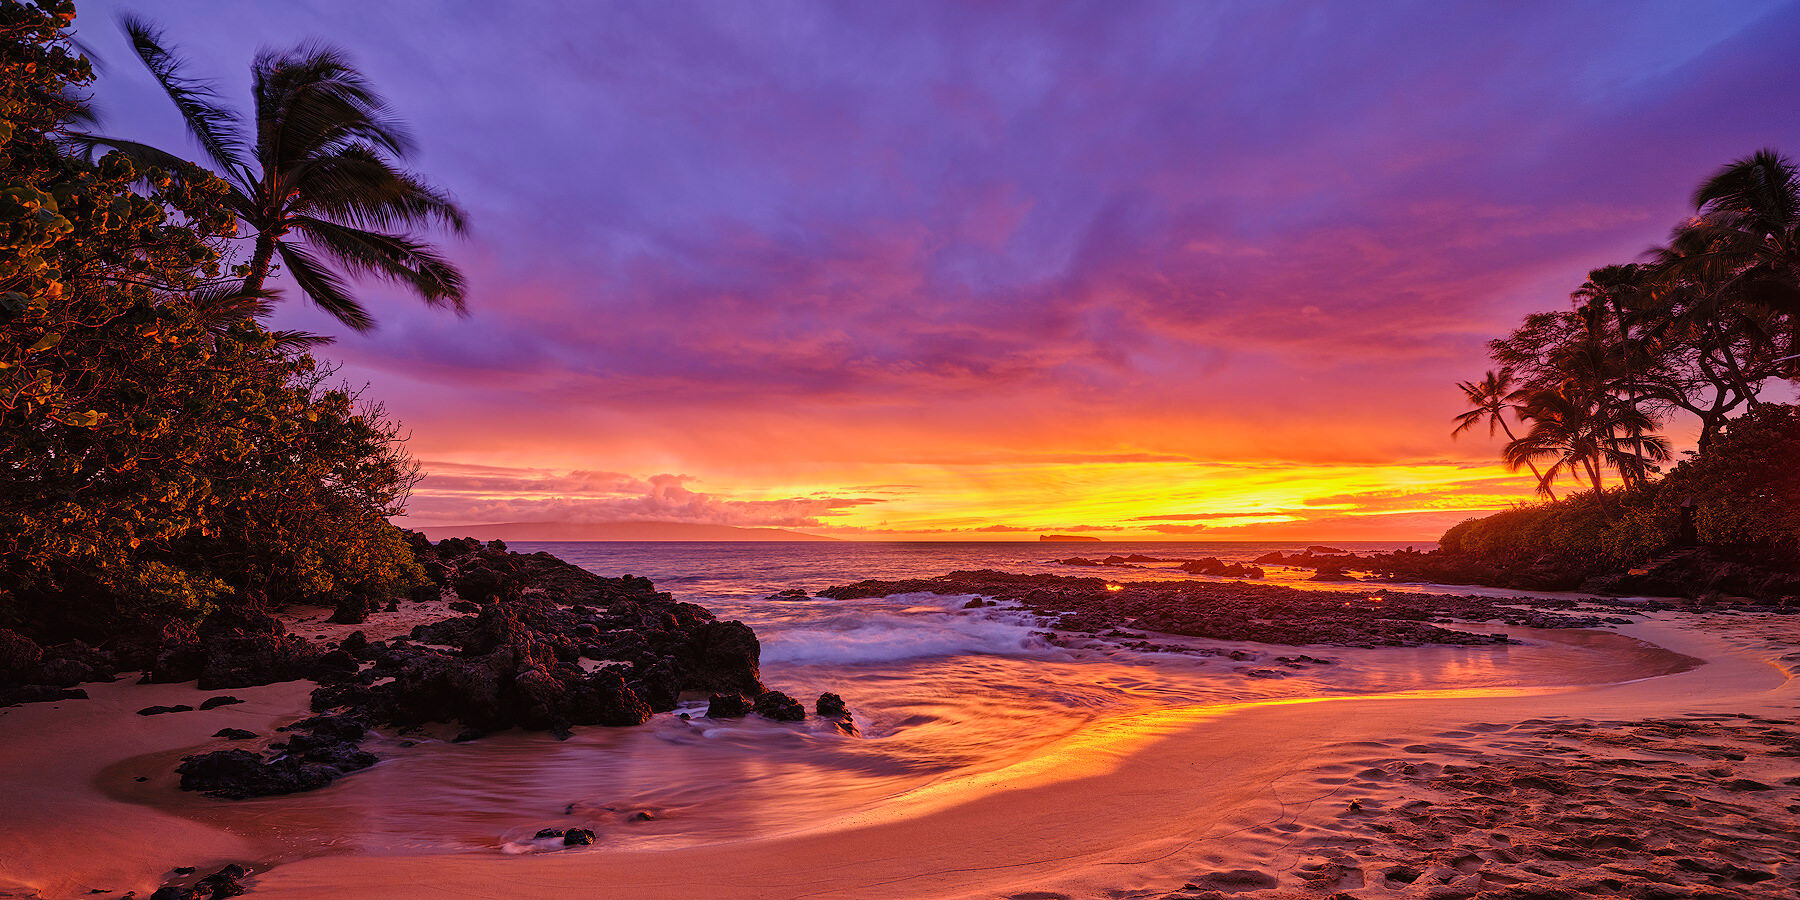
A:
356, 186
299, 341
175, 166
311, 102
1762, 186
394, 257
212, 124
323, 287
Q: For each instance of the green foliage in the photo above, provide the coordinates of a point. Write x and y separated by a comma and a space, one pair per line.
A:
161, 451
1576, 527
1746, 486
1745, 496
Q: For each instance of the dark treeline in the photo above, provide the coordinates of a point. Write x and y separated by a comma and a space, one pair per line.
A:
162, 452
1700, 327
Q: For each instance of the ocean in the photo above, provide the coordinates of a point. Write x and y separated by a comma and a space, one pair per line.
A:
948, 700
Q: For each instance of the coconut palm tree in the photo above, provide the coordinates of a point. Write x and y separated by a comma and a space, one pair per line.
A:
1731, 275
1490, 399
1582, 439
1751, 210
317, 184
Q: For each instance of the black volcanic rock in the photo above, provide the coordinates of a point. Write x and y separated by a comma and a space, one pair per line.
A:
162, 710
549, 646
527, 657
727, 706
780, 707
19, 655
240, 645
1243, 611
1214, 567
354, 609
831, 705
319, 750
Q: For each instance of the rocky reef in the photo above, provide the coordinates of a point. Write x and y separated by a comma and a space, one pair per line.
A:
1245, 612
542, 645
1705, 576
1204, 566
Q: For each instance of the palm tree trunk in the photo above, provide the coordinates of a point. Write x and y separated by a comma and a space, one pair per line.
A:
1528, 462
1738, 378
259, 263
1593, 467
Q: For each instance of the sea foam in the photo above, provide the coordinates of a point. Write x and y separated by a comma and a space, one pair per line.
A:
903, 627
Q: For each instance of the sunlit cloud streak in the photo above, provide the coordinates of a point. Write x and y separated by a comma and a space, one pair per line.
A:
1029, 262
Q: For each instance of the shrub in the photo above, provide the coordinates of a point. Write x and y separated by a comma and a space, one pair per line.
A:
1745, 491
162, 452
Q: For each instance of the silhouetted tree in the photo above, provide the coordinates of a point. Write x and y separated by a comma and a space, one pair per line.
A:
320, 168
1490, 399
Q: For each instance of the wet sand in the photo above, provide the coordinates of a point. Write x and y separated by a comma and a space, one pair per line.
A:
1176, 801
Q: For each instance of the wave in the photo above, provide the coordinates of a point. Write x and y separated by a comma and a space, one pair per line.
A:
903, 627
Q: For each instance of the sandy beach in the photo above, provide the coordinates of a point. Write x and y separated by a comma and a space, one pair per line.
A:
1369, 794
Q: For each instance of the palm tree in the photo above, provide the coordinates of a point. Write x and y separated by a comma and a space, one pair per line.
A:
1582, 439
1752, 209
1490, 399
1732, 273
320, 168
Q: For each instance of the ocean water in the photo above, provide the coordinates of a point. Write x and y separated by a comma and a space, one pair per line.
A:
943, 696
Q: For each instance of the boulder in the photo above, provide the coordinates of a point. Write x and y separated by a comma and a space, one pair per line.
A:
727, 706
160, 710
334, 665
19, 656
721, 656
358, 646
319, 750
240, 645
831, 705
354, 609
482, 584
779, 706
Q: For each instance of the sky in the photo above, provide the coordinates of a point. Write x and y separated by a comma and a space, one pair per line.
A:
986, 270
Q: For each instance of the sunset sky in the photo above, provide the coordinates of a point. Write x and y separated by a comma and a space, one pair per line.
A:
1183, 270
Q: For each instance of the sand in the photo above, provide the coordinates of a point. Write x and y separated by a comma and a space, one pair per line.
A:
1457, 794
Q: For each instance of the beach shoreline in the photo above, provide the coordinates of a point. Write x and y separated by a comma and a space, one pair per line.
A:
1142, 805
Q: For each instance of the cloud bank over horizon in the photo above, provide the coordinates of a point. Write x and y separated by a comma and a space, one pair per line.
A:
1145, 269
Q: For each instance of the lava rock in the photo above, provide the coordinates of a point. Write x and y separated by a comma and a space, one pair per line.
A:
831, 705
520, 659
727, 706
780, 707
160, 710
319, 750
353, 609
577, 837
19, 655
216, 702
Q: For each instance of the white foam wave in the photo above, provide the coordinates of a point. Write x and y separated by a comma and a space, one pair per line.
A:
905, 627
